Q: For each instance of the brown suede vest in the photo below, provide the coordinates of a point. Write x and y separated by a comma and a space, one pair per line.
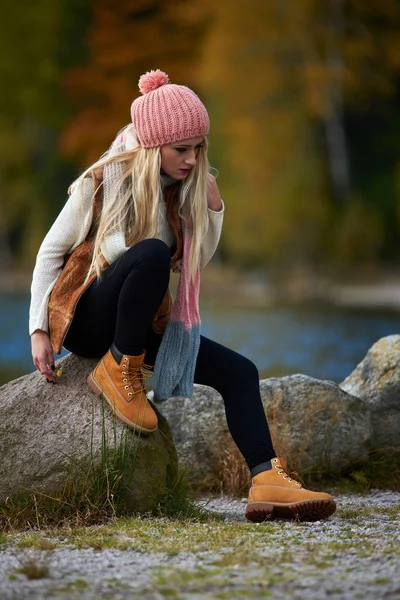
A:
72, 282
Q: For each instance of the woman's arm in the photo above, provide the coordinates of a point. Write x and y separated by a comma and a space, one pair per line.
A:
64, 235
214, 200
215, 219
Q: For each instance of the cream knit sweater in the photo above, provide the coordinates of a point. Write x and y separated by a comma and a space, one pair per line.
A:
63, 238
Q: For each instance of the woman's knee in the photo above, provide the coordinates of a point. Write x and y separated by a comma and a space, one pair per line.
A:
243, 368
236, 378
233, 372
151, 252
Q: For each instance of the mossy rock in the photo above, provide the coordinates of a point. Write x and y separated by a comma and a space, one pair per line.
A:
52, 436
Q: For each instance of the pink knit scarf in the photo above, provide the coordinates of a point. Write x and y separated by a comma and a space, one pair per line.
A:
177, 355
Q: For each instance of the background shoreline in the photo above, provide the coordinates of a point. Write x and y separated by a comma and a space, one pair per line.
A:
359, 288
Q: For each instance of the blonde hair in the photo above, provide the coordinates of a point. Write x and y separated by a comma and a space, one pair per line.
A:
132, 193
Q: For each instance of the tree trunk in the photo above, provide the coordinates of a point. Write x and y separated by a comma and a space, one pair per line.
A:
334, 121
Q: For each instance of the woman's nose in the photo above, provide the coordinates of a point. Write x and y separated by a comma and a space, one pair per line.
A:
191, 159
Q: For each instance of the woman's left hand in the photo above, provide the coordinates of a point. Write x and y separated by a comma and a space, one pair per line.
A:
214, 200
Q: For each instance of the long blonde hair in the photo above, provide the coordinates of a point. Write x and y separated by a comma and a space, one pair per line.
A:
132, 193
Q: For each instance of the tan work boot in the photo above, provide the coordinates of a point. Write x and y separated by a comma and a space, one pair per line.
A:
120, 379
276, 495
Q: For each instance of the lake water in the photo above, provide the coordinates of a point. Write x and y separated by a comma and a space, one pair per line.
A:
326, 343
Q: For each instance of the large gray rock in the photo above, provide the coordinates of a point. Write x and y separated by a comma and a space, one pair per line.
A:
377, 381
200, 432
50, 434
314, 424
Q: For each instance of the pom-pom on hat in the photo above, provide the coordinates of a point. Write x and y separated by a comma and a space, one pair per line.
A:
167, 112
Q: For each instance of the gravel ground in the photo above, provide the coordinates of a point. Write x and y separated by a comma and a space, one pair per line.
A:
354, 554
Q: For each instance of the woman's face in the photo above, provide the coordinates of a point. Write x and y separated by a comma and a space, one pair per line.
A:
179, 158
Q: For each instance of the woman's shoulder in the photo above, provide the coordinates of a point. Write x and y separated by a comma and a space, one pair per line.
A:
91, 179
81, 192
97, 175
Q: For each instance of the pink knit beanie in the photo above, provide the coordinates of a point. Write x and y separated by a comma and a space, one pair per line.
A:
167, 112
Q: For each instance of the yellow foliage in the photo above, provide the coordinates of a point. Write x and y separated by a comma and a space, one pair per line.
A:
271, 71
273, 74
359, 233
127, 39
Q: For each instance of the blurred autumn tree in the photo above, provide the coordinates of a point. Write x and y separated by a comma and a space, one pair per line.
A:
283, 81
303, 97
37, 42
127, 39
68, 73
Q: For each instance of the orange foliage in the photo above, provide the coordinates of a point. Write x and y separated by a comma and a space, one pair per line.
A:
128, 38
274, 75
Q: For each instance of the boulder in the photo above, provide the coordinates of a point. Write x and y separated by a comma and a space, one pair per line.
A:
376, 380
314, 424
51, 435
201, 435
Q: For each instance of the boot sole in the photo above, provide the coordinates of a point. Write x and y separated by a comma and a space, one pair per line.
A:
311, 510
99, 392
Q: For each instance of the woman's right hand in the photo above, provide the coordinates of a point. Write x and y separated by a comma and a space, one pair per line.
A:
42, 354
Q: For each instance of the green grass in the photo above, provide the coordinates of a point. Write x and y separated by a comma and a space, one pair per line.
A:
380, 471
381, 580
80, 584
178, 502
235, 559
94, 493
357, 512
92, 501
36, 541
33, 568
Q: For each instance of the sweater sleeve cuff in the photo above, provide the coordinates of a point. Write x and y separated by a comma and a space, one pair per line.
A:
217, 212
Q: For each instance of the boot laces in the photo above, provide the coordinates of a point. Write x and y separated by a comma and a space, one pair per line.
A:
132, 376
287, 475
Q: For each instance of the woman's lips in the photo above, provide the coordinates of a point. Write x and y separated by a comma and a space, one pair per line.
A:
185, 170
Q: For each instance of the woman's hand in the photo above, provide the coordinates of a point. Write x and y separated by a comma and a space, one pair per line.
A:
214, 200
42, 354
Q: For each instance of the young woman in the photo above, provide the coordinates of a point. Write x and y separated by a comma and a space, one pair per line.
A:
100, 287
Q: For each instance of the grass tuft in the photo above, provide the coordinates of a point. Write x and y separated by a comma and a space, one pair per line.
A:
3, 540
81, 584
36, 541
33, 568
94, 493
380, 471
177, 503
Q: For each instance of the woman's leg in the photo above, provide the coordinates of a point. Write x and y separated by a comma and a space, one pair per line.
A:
273, 494
112, 319
237, 380
120, 306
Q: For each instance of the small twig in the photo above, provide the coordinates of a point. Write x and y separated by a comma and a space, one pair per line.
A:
36, 511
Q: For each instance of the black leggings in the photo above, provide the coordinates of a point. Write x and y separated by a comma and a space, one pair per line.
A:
120, 307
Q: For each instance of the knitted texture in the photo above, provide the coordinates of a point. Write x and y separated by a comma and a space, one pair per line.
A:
167, 112
177, 355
